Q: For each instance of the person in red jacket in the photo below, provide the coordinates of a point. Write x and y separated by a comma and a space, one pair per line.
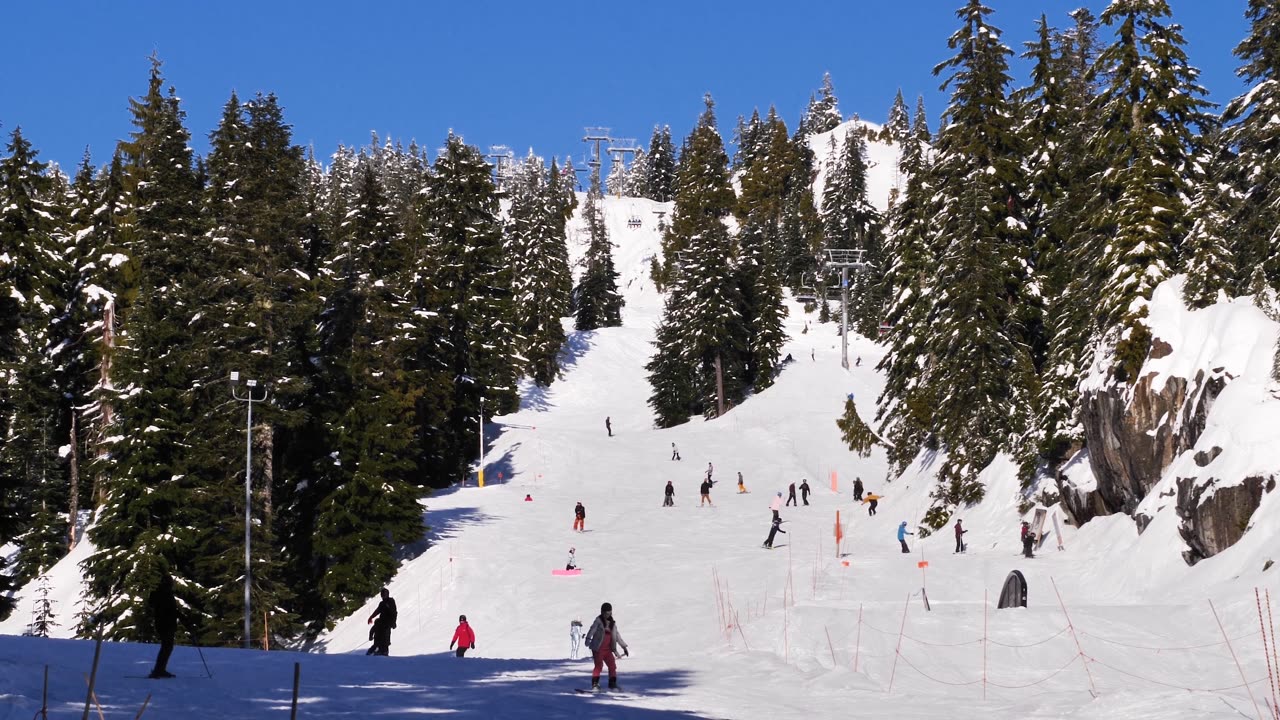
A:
464, 637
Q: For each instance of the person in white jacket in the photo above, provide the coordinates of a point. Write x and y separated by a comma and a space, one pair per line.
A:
604, 640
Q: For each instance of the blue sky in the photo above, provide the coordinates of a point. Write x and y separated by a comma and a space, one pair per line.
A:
520, 73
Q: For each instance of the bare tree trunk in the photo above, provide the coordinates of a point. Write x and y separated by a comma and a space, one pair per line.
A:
73, 499
719, 388
107, 413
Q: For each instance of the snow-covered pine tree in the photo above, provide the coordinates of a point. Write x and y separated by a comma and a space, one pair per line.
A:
31, 222
597, 301
536, 245
1255, 136
855, 433
1150, 111
616, 183
637, 180
898, 126
1210, 262
823, 113
705, 298
146, 525
748, 137
980, 375
662, 166
905, 406
366, 494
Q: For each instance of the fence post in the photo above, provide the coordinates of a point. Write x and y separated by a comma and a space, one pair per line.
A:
1084, 660
1243, 679
984, 644
857, 644
1266, 653
898, 650
293, 709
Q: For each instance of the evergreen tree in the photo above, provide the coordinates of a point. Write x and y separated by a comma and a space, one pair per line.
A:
1210, 265
979, 374
1150, 110
855, 433
702, 326
536, 244
897, 129
1255, 138
149, 520
661, 166
597, 301
851, 222
823, 113
636, 183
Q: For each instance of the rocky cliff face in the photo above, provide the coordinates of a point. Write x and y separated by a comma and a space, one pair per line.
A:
1133, 434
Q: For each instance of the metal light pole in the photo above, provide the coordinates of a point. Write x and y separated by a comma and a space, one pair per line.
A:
480, 473
251, 386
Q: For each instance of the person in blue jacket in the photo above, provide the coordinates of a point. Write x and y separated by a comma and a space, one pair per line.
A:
902, 536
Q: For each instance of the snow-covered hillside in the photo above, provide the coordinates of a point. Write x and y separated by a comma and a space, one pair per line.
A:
1116, 627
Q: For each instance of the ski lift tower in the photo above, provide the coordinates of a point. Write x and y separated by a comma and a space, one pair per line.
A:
845, 259
618, 149
596, 135
501, 159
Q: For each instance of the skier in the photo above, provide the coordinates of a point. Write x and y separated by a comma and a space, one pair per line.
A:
464, 637
575, 638
572, 562
741, 487
1028, 540
776, 505
380, 633
791, 495
603, 639
774, 529
902, 536
804, 490
709, 468
669, 495
164, 611
608, 426
857, 489
960, 537
858, 363
705, 489
579, 517
675, 452
873, 499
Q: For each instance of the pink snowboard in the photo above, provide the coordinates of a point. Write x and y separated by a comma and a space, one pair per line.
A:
566, 572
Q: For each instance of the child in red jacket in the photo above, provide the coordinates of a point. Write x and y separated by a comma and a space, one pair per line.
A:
464, 637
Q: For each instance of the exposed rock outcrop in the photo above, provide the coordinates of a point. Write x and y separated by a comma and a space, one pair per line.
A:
1211, 525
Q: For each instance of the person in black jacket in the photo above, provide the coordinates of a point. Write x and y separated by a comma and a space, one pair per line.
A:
386, 620
804, 491
705, 489
773, 531
791, 495
669, 495
164, 611
857, 489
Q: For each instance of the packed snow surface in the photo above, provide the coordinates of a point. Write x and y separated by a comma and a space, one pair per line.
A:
718, 627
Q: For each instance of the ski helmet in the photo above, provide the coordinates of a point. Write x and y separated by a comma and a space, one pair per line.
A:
606, 607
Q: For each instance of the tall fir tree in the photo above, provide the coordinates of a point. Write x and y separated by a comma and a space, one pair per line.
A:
897, 128
1210, 261
536, 244
597, 302
1151, 110
823, 113
662, 163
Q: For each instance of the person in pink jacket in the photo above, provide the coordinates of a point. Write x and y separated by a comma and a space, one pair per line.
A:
464, 637
776, 505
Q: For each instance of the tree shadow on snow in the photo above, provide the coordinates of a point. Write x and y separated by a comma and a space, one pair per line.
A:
478, 687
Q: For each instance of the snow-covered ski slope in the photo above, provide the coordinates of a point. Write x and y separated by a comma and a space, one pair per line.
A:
719, 627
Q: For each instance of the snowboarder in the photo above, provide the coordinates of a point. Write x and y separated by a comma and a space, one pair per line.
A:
464, 637
902, 536
741, 487
603, 639
858, 362
675, 452
857, 489
872, 499
774, 529
579, 518
705, 489
776, 505
380, 633
791, 495
528, 498
608, 426
164, 611
1028, 540
669, 495
804, 490
960, 546
572, 562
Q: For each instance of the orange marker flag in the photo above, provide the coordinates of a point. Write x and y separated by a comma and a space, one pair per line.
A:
834, 489
922, 564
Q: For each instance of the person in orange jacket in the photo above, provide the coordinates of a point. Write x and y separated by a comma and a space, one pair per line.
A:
464, 637
874, 500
